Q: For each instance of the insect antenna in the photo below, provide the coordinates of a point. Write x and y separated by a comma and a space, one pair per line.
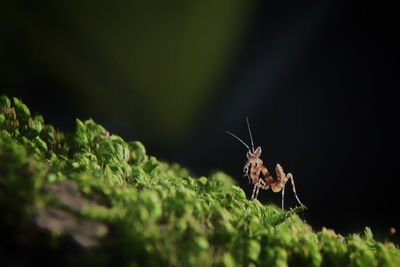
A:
238, 139
251, 138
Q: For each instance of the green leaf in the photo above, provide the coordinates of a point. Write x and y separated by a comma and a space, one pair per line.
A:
21, 110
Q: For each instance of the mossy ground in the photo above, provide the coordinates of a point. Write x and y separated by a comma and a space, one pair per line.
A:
89, 197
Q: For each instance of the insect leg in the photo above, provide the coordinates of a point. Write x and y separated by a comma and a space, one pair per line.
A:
258, 188
246, 170
254, 190
248, 177
290, 176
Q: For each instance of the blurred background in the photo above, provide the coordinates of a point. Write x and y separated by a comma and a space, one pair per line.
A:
317, 80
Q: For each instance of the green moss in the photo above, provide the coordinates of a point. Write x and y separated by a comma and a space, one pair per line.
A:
89, 197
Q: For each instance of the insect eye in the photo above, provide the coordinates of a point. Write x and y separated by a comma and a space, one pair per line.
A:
258, 151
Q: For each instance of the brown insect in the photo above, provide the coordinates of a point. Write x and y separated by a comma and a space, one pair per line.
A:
254, 168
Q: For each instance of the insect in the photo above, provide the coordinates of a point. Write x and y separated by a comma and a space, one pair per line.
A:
254, 167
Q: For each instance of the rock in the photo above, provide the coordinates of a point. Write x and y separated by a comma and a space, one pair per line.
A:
84, 232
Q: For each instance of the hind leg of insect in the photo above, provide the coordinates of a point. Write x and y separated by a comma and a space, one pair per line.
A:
283, 178
290, 176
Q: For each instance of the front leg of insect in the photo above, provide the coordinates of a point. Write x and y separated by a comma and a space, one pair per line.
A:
255, 191
260, 182
246, 171
255, 172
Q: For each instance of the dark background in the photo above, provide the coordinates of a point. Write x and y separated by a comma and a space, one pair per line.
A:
317, 80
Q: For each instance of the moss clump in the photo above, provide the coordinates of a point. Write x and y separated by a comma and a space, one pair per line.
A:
89, 197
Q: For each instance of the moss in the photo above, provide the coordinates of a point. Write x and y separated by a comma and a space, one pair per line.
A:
89, 197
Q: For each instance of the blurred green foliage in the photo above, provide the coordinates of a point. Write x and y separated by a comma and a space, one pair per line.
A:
114, 204
119, 58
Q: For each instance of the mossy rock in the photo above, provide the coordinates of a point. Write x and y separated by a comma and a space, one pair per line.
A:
91, 198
